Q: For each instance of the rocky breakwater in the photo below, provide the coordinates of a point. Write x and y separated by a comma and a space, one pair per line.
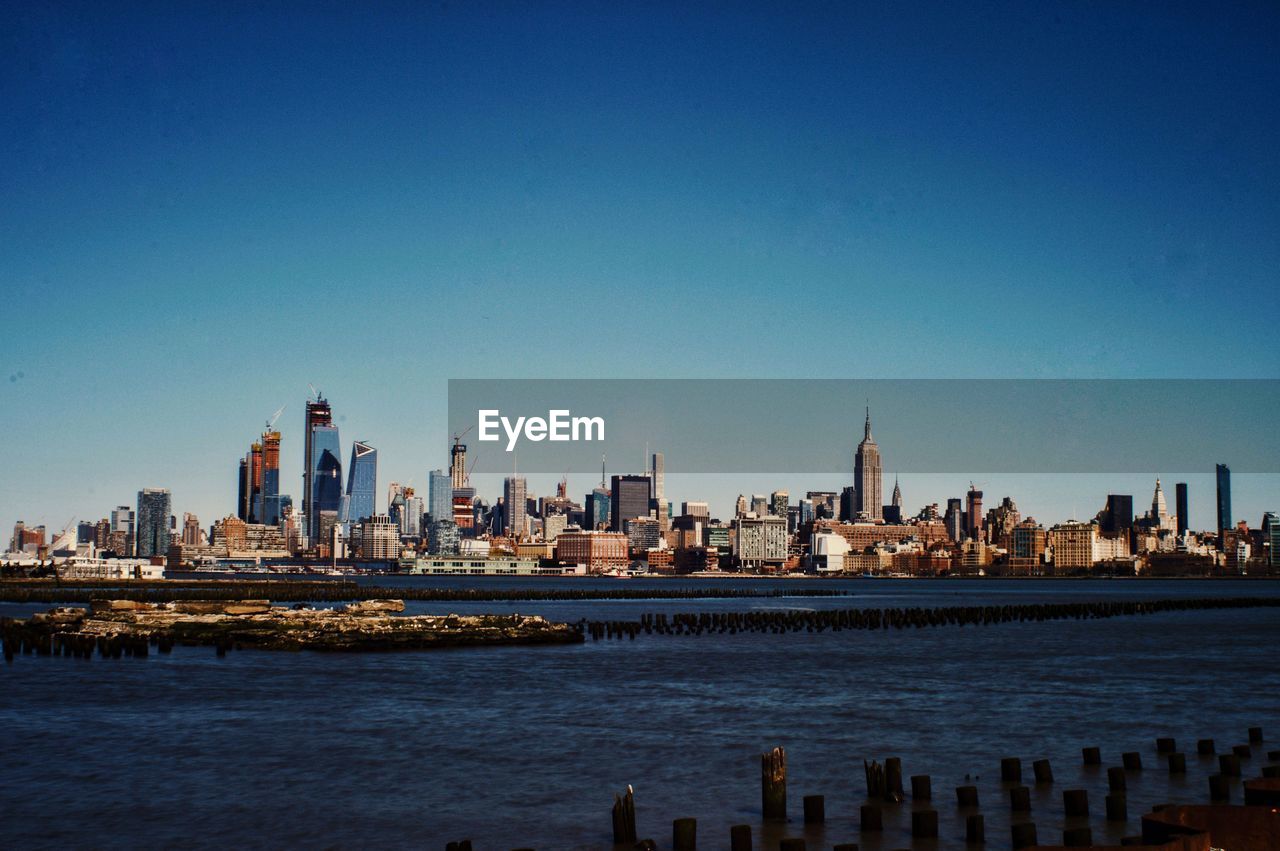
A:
366, 625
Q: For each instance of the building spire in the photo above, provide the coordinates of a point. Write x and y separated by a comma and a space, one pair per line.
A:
867, 431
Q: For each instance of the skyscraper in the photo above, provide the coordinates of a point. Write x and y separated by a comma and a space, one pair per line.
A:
1224, 500
596, 513
1117, 517
629, 499
973, 513
322, 471
954, 519
269, 510
440, 496
362, 483
659, 476
153, 523
1180, 500
514, 490
868, 490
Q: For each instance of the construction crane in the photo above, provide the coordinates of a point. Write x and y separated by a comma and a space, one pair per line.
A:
271, 422
315, 394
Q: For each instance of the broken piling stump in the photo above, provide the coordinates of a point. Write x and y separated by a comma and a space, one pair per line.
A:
684, 834
624, 817
773, 784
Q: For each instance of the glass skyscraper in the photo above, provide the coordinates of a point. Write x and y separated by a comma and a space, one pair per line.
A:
362, 483
440, 496
153, 523
1224, 499
325, 480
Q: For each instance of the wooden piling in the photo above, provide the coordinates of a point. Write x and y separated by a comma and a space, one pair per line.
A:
1042, 770
921, 787
1242, 751
740, 837
1020, 799
1092, 756
1024, 835
1255, 735
893, 779
1011, 770
1075, 802
1229, 765
975, 830
1117, 807
684, 834
773, 784
792, 843
870, 818
874, 774
1165, 744
967, 796
1177, 763
1115, 779
1132, 761
624, 817
1204, 747
815, 809
924, 824
1077, 837
1219, 788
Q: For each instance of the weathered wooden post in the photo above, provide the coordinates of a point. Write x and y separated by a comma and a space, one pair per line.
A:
1177, 763
624, 817
1020, 799
967, 796
792, 844
1242, 751
1132, 761
921, 787
740, 837
1077, 837
1024, 835
815, 809
1075, 802
773, 784
1165, 744
1229, 765
1219, 788
1115, 778
1204, 747
870, 818
1116, 807
1011, 770
893, 779
1043, 771
874, 772
1092, 756
1255, 735
924, 824
684, 834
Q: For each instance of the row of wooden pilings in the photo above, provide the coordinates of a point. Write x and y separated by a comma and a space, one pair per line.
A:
835, 620
885, 786
17, 640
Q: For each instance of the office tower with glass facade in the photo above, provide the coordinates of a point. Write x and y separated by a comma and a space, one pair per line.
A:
596, 510
152, 536
319, 416
1181, 506
269, 509
1224, 500
362, 483
440, 495
658, 488
629, 499
325, 482
515, 501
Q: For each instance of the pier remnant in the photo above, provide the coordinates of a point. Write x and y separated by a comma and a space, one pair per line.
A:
773, 784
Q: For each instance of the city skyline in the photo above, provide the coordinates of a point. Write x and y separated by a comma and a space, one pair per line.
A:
1032, 492
487, 194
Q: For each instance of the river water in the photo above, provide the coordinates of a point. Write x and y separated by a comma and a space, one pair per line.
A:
525, 747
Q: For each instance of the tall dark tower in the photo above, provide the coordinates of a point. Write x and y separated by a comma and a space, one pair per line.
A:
458, 464
1224, 500
868, 490
318, 414
1180, 502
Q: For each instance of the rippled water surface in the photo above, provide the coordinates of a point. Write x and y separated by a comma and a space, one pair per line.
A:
525, 747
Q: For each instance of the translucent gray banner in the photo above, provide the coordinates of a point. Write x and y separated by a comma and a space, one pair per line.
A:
919, 425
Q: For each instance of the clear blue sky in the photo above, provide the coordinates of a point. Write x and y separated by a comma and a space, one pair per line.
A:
207, 206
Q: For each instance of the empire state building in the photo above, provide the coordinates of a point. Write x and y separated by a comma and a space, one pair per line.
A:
868, 491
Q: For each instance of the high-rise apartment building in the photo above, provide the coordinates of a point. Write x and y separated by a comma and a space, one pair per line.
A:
867, 484
973, 513
659, 476
152, 536
440, 496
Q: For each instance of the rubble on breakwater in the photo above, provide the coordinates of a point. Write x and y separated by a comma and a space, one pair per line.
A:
115, 628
